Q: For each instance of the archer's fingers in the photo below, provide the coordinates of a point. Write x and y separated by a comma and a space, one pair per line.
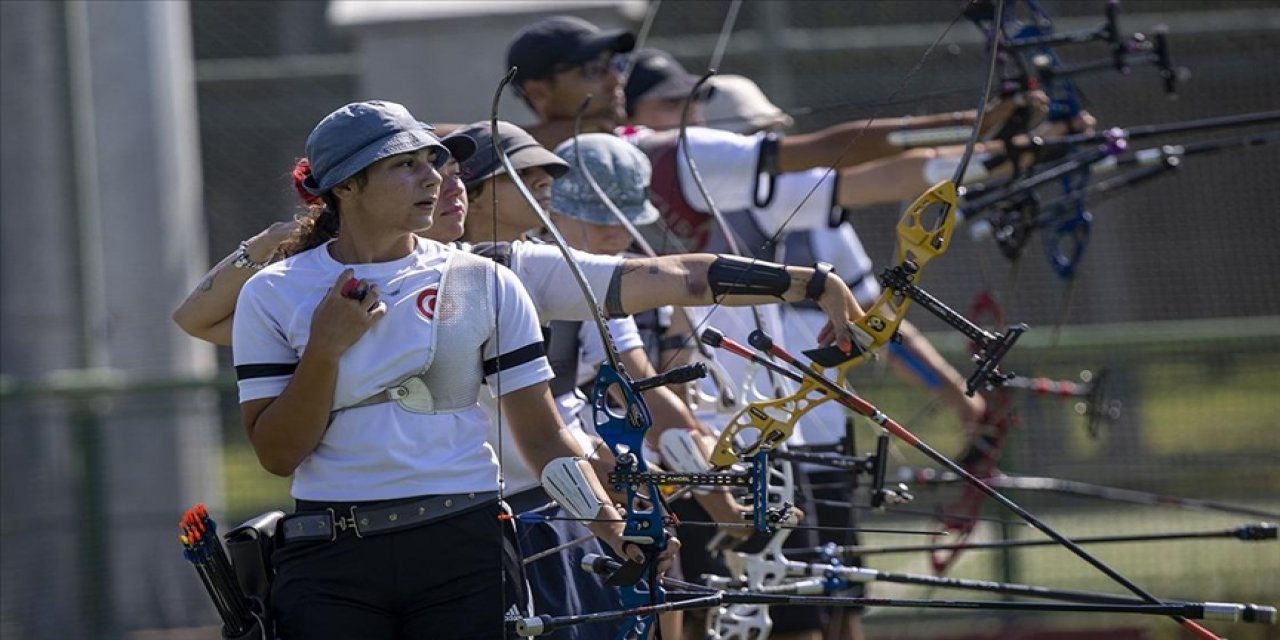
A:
668, 555
341, 283
377, 308
826, 335
632, 551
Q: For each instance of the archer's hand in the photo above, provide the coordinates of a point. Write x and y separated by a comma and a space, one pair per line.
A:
1084, 122
263, 246
1035, 104
725, 509
341, 319
842, 309
609, 531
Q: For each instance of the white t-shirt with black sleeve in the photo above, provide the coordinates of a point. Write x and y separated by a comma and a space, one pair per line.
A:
444, 322
729, 165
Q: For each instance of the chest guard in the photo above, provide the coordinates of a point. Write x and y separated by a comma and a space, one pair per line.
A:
691, 227
450, 380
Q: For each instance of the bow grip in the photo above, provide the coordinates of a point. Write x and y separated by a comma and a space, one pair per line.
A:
622, 432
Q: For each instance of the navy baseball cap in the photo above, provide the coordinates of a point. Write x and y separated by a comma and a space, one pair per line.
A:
360, 134
460, 146
538, 49
656, 74
523, 150
622, 171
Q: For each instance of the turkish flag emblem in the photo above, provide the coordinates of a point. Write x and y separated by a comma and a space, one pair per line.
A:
427, 302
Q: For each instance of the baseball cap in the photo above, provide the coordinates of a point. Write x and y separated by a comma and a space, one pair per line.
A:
519, 146
360, 134
562, 40
740, 106
460, 146
657, 75
622, 171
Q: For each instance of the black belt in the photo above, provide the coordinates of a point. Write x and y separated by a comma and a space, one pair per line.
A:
379, 518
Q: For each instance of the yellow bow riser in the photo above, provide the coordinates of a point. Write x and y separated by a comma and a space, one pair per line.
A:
924, 233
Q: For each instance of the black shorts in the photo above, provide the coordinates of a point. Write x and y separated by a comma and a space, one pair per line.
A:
450, 579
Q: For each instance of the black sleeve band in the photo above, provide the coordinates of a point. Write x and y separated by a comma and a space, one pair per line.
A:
837, 214
731, 275
511, 359
817, 282
613, 298
251, 371
768, 155
766, 171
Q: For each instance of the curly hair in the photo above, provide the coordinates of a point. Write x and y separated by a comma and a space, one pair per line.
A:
320, 222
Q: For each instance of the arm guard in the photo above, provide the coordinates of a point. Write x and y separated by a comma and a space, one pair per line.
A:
680, 453
565, 480
731, 275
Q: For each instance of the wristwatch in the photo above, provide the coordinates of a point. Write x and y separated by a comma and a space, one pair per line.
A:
818, 283
244, 262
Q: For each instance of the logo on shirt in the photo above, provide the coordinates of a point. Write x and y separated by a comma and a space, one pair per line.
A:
427, 302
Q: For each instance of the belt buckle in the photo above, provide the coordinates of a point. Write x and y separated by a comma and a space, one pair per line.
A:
342, 523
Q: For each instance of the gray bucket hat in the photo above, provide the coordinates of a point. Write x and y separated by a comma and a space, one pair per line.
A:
622, 171
523, 150
360, 134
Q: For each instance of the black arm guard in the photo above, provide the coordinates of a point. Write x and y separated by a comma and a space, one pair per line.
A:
731, 275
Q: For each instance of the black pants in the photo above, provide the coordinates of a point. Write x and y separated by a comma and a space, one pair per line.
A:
450, 579
559, 585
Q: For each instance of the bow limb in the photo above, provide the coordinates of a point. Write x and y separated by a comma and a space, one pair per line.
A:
942, 198
722, 224
1029, 48
923, 233
731, 240
959, 518
727, 398
645, 517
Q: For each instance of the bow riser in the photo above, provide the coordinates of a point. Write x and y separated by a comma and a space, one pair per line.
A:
923, 233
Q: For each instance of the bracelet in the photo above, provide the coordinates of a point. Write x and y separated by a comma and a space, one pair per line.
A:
818, 283
243, 261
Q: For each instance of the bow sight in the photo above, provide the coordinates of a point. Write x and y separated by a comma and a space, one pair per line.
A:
992, 346
1028, 44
